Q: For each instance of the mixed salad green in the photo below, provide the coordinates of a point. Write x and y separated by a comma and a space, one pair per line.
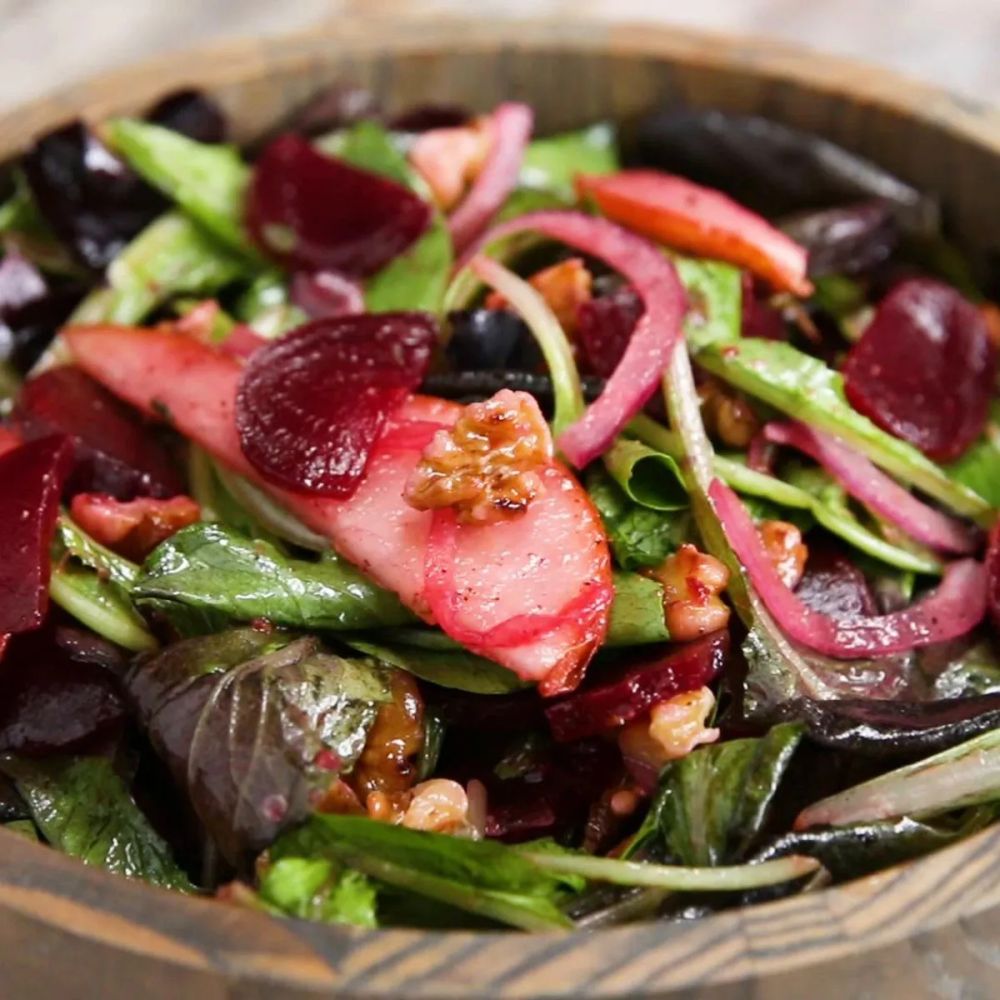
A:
417, 522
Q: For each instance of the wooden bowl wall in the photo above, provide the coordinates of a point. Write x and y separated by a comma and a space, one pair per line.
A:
925, 929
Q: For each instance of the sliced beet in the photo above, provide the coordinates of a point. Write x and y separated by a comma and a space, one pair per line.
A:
833, 585
315, 213
610, 702
993, 577
53, 700
925, 368
759, 317
604, 328
850, 239
92, 200
114, 451
31, 309
33, 476
320, 294
311, 405
192, 113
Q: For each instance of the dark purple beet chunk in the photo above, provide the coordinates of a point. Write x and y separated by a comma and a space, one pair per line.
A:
311, 405
316, 213
925, 369
833, 585
851, 239
33, 476
114, 451
90, 198
424, 117
51, 699
192, 113
333, 108
608, 702
604, 328
759, 317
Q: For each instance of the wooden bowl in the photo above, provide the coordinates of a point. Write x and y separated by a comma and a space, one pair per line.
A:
920, 930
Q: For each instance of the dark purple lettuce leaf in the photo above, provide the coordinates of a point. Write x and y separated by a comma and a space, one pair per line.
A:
850, 239
773, 168
192, 113
254, 726
55, 697
32, 308
91, 200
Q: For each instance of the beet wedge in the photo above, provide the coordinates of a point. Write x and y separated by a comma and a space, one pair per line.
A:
537, 589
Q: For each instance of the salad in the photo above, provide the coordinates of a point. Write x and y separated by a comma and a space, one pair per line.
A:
411, 521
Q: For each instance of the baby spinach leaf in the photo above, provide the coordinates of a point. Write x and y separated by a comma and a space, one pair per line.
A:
171, 256
207, 181
805, 388
252, 723
639, 537
451, 668
965, 775
83, 809
319, 890
23, 828
972, 671
715, 301
211, 568
849, 852
637, 612
979, 467
416, 279
483, 877
649, 477
551, 163
713, 803
93, 584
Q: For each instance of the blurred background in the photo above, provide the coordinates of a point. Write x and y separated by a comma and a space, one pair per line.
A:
49, 43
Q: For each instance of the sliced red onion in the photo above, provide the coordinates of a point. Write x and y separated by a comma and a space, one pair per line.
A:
953, 609
639, 372
510, 125
320, 294
878, 492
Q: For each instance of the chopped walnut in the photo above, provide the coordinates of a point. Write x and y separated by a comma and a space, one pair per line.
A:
728, 416
672, 730
487, 467
564, 286
785, 548
388, 761
692, 582
439, 806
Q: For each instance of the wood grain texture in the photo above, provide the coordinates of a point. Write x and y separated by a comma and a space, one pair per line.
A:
928, 929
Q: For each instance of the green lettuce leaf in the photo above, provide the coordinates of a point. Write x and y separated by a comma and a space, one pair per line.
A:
551, 163
83, 809
319, 890
805, 388
213, 570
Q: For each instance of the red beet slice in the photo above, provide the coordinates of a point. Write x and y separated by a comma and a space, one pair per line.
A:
114, 452
316, 213
993, 577
925, 368
604, 328
33, 477
612, 703
833, 585
52, 699
311, 405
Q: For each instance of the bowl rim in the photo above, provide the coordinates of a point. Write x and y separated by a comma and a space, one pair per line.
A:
40, 885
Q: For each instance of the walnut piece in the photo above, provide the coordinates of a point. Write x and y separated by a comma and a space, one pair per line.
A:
692, 582
488, 466
786, 550
672, 730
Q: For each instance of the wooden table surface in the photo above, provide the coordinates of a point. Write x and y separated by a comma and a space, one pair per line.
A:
49, 43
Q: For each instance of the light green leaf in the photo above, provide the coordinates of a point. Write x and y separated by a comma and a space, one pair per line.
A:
649, 477
551, 163
84, 810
